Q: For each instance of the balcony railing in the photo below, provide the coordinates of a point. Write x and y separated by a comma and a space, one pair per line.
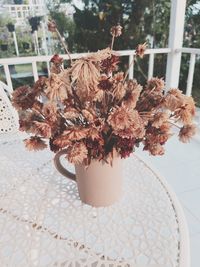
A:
130, 53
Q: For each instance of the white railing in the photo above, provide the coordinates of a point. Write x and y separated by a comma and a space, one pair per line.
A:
33, 60
130, 53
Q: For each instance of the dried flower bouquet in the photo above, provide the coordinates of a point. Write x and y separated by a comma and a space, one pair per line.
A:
95, 112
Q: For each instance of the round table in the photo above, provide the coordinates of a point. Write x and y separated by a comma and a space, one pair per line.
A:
43, 222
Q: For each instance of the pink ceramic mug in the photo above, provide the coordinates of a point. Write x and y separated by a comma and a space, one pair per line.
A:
100, 184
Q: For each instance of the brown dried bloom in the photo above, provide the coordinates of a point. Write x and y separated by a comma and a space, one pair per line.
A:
56, 59
35, 143
75, 134
186, 133
50, 111
110, 64
120, 118
184, 115
71, 113
156, 84
40, 85
118, 77
186, 112
105, 83
43, 129
93, 133
86, 73
140, 49
136, 128
23, 98
174, 99
132, 96
119, 91
88, 115
159, 118
156, 149
77, 153
131, 84
52, 26
56, 89
116, 31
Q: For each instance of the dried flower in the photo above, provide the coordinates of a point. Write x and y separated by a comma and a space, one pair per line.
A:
187, 132
110, 64
125, 146
119, 91
40, 85
35, 143
75, 134
52, 26
56, 89
118, 77
156, 149
155, 84
23, 98
71, 113
56, 59
77, 153
116, 31
92, 111
86, 73
43, 129
159, 118
88, 115
56, 64
140, 49
173, 99
105, 83
132, 96
120, 118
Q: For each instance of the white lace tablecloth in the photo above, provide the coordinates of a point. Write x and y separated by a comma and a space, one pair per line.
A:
43, 222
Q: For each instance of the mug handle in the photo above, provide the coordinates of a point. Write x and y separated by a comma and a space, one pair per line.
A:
59, 166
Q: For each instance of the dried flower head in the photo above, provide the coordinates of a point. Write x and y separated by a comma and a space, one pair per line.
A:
35, 143
159, 118
71, 113
77, 153
156, 149
86, 73
56, 89
23, 98
116, 31
121, 118
56, 59
110, 64
119, 91
155, 84
43, 129
132, 96
52, 26
187, 132
140, 50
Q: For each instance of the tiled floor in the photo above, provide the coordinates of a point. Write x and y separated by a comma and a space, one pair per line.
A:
181, 168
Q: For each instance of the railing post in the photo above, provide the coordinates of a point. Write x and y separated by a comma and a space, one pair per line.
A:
190, 75
151, 66
8, 77
131, 64
35, 72
177, 18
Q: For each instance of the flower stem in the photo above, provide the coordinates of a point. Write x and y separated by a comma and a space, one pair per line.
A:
112, 43
64, 45
127, 72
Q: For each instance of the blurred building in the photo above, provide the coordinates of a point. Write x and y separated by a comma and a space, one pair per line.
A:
23, 9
